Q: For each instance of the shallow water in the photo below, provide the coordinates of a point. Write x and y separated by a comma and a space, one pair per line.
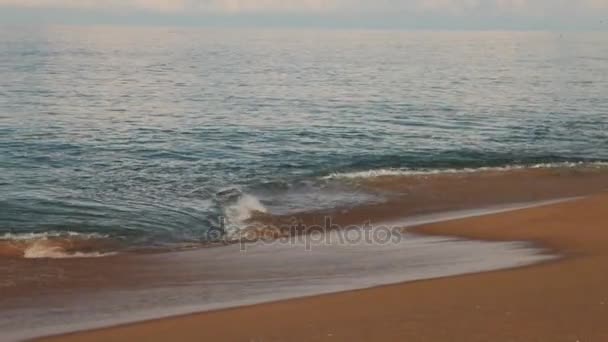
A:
160, 285
132, 132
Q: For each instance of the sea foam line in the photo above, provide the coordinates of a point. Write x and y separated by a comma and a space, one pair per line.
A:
51, 234
427, 171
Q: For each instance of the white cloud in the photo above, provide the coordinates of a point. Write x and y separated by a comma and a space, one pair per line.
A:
155, 5
182, 5
239, 6
273, 5
598, 4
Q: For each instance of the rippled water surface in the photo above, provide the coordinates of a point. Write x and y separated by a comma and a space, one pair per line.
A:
137, 133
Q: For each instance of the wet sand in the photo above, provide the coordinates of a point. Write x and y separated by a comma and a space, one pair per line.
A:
564, 300
162, 285
411, 195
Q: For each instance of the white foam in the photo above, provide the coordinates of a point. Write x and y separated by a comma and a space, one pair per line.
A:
51, 234
425, 171
44, 244
240, 211
38, 250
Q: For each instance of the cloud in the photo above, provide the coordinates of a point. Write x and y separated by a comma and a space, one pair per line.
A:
182, 5
457, 7
155, 5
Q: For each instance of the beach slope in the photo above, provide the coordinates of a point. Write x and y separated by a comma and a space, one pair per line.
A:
563, 300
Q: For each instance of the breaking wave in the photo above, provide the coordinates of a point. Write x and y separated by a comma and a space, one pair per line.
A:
428, 171
238, 208
56, 245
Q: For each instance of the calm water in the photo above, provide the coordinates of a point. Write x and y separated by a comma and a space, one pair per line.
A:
137, 133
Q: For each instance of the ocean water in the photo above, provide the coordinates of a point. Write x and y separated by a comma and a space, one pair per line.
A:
157, 136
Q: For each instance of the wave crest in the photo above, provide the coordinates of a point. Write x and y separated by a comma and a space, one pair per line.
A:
424, 171
238, 208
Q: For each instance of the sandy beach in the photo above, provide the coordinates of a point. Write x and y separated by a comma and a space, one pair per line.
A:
562, 300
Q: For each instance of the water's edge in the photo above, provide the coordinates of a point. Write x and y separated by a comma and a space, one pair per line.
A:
536, 255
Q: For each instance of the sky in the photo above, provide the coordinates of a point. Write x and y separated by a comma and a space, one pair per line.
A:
412, 14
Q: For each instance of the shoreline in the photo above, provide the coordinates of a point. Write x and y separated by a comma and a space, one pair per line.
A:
391, 197
427, 229
520, 250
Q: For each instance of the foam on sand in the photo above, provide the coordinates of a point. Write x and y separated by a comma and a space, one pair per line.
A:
55, 245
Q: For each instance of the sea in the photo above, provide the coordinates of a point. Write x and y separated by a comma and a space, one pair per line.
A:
120, 142
155, 136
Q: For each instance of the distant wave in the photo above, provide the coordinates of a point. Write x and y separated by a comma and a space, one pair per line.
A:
433, 171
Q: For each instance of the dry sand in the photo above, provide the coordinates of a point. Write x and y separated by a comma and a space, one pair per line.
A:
564, 300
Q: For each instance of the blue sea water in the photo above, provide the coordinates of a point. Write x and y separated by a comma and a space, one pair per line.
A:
137, 133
